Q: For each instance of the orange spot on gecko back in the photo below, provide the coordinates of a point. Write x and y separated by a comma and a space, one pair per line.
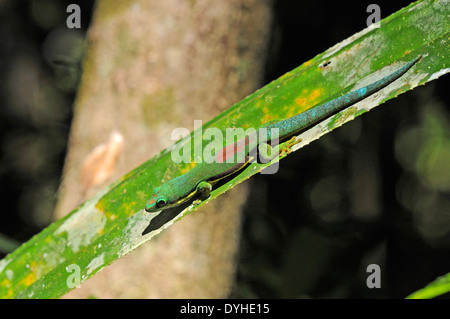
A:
230, 151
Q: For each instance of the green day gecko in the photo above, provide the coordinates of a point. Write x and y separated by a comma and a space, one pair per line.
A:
199, 180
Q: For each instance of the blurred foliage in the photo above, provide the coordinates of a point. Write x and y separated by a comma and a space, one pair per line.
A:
424, 186
41, 65
436, 288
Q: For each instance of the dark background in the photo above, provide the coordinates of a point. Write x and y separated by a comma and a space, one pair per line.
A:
374, 191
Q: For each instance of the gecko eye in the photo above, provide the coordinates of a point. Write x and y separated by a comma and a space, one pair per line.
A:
161, 202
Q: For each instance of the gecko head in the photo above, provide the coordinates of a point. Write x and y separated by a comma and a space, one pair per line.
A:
157, 202
165, 196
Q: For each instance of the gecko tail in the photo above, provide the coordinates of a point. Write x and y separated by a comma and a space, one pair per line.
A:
319, 113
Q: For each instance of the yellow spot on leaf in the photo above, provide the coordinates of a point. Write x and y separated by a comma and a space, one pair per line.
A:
5, 283
315, 94
286, 75
29, 279
267, 118
108, 214
188, 168
301, 101
6, 291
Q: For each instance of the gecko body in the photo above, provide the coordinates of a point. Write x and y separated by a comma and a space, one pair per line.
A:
201, 178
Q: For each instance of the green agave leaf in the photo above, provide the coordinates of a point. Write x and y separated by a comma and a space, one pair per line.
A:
112, 223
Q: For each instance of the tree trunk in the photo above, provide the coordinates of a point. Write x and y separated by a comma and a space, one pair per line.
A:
153, 66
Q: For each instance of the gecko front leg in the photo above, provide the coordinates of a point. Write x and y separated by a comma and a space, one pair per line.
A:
204, 189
